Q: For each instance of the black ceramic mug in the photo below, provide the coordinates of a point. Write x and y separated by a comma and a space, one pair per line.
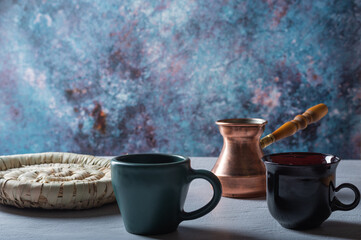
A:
151, 190
301, 188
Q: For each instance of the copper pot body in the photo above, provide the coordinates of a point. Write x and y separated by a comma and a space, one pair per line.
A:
239, 166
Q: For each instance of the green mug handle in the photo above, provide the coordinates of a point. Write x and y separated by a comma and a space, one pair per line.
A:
217, 194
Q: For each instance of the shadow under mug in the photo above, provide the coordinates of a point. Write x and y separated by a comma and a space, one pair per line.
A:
301, 188
151, 189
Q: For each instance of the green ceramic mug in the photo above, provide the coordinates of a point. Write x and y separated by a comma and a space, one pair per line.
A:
151, 190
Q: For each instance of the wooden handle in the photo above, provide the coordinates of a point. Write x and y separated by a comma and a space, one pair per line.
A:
311, 115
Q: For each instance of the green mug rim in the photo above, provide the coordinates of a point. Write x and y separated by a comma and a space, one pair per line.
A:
179, 159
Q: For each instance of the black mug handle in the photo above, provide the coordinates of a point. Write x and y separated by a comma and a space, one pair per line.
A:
338, 205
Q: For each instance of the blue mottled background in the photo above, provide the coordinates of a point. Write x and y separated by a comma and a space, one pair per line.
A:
114, 77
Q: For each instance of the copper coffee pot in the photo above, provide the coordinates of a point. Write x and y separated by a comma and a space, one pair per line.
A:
239, 166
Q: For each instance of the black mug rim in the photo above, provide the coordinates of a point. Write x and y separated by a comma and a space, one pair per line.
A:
177, 159
266, 159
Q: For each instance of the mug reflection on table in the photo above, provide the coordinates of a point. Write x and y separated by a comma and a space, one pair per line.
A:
301, 188
151, 190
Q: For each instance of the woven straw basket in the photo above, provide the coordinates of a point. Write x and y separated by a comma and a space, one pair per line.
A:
55, 181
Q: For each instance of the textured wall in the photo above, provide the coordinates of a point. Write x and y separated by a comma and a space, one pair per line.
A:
115, 77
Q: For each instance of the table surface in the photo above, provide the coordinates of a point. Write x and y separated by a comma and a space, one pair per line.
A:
231, 219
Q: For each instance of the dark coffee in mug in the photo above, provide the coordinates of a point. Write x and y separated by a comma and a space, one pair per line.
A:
151, 190
301, 188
